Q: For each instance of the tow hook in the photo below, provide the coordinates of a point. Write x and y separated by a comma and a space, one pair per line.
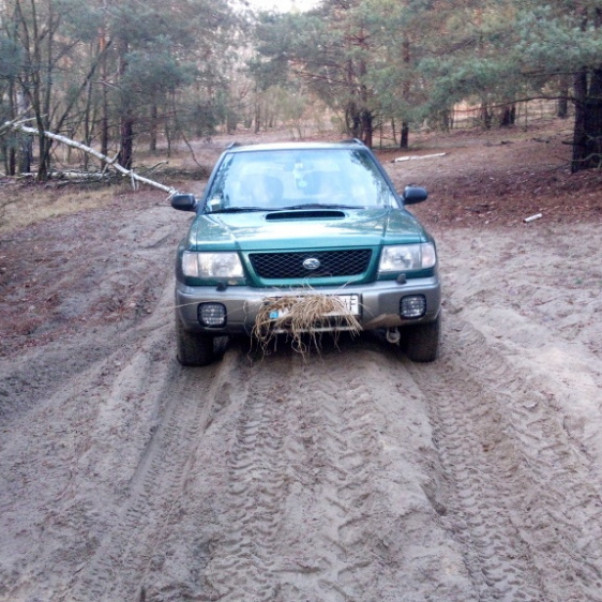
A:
393, 335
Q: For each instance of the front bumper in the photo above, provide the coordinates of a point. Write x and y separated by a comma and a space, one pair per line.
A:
379, 303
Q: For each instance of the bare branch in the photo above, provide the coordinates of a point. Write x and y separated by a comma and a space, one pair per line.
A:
135, 178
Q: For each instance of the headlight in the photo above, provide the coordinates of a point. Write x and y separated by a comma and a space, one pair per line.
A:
399, 258
211, 265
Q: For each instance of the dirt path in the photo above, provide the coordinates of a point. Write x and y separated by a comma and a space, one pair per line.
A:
354, 475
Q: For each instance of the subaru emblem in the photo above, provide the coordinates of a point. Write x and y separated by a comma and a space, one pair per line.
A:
311, 263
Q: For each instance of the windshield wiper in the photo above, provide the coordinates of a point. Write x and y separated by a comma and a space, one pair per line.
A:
320, 206
238, 209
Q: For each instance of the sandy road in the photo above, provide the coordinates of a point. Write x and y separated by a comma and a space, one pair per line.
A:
354, 475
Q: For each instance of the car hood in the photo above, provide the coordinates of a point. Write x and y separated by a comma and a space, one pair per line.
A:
294, 230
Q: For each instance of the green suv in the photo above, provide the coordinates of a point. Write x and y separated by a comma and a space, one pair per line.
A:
282, 227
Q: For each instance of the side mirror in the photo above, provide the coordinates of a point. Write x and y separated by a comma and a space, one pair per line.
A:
184, 202
414, 194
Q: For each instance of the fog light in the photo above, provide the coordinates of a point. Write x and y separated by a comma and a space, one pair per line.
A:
212, 314
412, 307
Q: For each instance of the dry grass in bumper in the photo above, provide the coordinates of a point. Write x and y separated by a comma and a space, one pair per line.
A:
302, 319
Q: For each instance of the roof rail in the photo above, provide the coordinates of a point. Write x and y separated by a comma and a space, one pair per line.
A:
354, 140
232, 145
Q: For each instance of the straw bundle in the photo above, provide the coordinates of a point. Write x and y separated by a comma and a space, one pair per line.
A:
303, 319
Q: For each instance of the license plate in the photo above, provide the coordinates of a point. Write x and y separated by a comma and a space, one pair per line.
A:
350, 302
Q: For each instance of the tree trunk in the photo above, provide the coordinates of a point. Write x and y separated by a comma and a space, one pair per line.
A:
508, 116
126, 151
10, 162
167, 132
126, 127
367, 127
44, 145
562, 109
154, 121
257, 117
353, 122
104, 119
50, 136
486, 117
25, 154
404, 141
579, 135
87, 123
587, 133
405, 135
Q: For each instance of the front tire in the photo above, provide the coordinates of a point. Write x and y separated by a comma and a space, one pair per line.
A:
422, 341
193, 349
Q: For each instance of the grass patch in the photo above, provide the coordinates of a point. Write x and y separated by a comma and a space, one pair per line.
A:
23, 204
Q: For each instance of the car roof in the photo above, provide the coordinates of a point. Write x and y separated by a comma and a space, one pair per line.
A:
295, 146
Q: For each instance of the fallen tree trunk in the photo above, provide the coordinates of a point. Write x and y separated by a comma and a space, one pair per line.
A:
136, 179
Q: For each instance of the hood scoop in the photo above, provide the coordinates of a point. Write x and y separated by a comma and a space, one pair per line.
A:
305, 214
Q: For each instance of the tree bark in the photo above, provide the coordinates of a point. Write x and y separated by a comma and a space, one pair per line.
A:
406, 58
352, 120
486, 117
10, 161
25, 155
367, 127
104, 119
125, 156
153, 129
44, 144
126, 124
587, 133
405, 135
508, 116
562, 110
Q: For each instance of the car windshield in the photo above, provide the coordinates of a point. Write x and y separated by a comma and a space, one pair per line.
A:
269, 180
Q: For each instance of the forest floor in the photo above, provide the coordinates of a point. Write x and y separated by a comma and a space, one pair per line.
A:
349, 475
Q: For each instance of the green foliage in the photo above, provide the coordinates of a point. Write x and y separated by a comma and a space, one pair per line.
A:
555, 43
11, 58
411, 60
150, 72
80, 20
176, 64
88, 69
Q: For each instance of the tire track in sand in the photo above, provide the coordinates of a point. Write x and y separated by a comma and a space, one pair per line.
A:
519, 495
255, 492
118, 567
325, 499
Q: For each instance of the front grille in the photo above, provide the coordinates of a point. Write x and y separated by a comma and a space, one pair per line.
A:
290, 265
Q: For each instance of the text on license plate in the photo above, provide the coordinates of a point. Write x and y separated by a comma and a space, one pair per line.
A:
351, 303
